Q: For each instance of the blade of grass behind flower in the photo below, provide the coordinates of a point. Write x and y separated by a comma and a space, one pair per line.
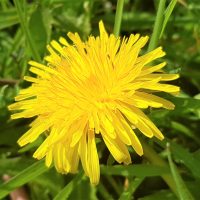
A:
139, 170
23, 177
157, 26
185, 130
183, 192
167, 15
182, 154
118, 17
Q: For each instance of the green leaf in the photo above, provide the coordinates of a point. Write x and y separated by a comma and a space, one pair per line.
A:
187, 158
12, 134
189, 104
23, 177
167, 14
183, 107
51, 180
39, 31
183, 192
158, 195
139, 170
66, 191
184, 129
184, 156
8, 18
13, 166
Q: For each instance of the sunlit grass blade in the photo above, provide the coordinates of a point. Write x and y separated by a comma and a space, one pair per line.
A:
66, 191
183, 192
118, 17
157, 26
23, 177
167, 15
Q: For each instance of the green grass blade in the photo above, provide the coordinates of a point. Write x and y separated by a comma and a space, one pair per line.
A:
66, 191
118, 17
183, 192
157, 26
185, 130
154, 158
182, 154
160, 195
168, 12
188, 158
8, 18
127, 194
139, 170
23, 177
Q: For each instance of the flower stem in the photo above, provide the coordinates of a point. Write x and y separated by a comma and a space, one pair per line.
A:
118, 17
154, 158
27, 33
157, 26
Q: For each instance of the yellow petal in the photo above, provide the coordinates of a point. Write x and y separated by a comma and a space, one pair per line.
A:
134, 139
93, 160
113, 147
49, 158
82, 150
152, 99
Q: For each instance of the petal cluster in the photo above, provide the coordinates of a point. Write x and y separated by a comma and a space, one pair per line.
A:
96, 87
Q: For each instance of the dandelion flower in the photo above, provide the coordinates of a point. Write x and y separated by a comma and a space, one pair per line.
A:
97, 87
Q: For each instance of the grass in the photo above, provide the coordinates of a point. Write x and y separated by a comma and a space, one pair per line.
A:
165, 172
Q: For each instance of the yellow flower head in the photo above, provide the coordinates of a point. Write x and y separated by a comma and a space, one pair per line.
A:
89, 88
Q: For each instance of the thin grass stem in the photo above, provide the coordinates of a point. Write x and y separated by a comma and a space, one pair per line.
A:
154, 158
157, 26
118, 17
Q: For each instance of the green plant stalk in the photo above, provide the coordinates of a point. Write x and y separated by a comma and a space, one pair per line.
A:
118, 17
182, 189
157, 26
154, 158
167, 14
24, 26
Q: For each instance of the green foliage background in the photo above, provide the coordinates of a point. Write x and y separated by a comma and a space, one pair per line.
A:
165, 172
